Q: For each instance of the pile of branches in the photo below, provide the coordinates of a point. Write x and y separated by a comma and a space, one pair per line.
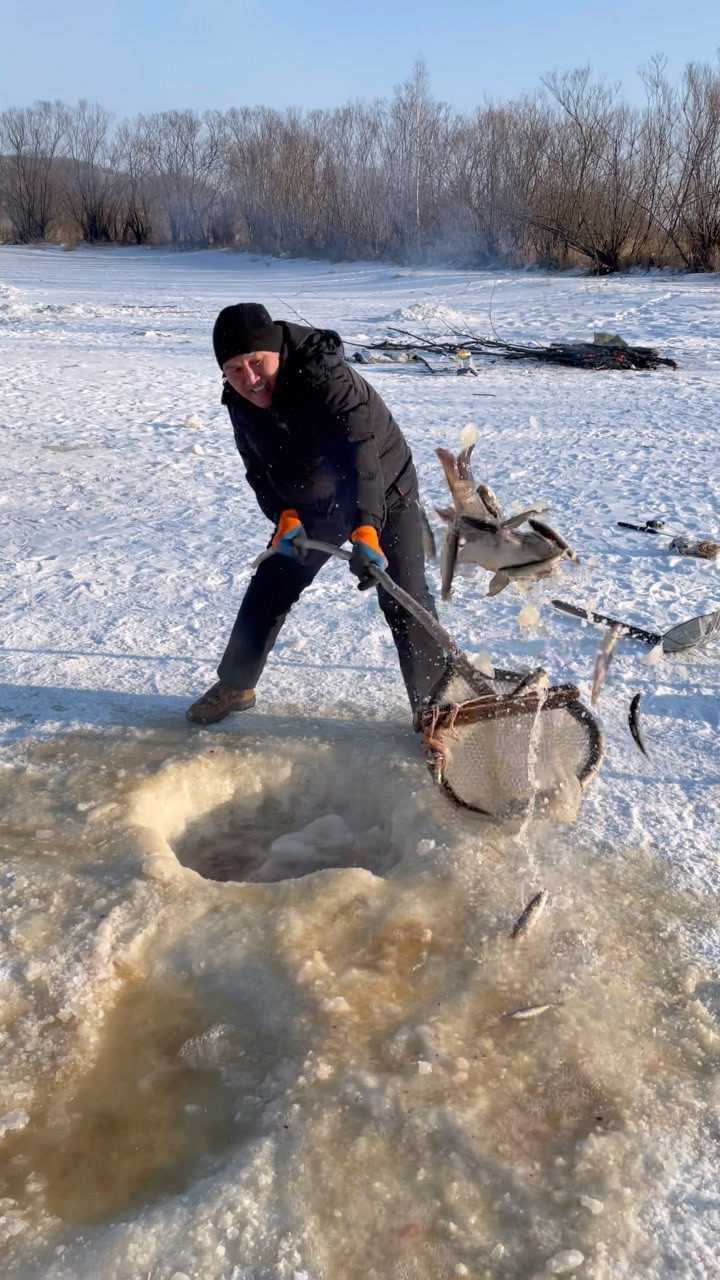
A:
606, 352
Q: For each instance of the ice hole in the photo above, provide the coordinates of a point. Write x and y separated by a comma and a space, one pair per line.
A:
271, 843
283, 810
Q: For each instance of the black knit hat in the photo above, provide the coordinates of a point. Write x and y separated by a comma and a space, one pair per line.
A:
242, 328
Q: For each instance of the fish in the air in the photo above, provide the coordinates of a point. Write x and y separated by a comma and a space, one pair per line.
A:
478, 532
428, 537
603, 659
634, 723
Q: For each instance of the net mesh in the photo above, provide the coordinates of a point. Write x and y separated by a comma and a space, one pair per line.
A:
512, 765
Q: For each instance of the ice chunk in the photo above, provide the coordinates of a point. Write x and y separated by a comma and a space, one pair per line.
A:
327, 832
12, 1121
529, 616
565, 1262
484, 664
593, 1206
212, 1048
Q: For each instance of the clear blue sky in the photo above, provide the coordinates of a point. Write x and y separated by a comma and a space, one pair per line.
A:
147, 55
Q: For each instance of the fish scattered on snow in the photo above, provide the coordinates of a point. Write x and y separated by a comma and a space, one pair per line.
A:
604, 658
634, 723
532, 1011
701, 549
530, 915
478, 533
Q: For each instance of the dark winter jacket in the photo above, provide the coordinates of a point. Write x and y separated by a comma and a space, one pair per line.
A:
327, 439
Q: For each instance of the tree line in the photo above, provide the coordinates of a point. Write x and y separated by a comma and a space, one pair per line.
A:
568, 175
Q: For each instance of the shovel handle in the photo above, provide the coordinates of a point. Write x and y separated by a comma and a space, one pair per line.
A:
588, 615
461, 662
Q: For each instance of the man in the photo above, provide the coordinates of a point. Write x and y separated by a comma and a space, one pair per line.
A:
326, 460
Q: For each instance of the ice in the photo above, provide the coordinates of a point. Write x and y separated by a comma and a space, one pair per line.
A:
327, 832
13, 1121
469, 435
236, 1062
565, 1263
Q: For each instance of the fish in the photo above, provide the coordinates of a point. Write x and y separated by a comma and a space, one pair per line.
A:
530, 915
522, 574
479, 533
514, 522
448, 560
428, 537
634, 723
604, 658
532, 1011
701, 549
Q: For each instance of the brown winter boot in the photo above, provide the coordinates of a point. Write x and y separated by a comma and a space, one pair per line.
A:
218, 702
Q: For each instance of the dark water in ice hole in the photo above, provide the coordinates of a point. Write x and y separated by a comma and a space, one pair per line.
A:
234, 842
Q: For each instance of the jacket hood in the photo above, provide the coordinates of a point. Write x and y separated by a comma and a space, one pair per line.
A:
302, 339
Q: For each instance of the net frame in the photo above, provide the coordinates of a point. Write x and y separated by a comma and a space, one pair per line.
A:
444, 721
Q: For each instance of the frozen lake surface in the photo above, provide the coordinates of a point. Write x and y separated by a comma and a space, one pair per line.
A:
216, 1066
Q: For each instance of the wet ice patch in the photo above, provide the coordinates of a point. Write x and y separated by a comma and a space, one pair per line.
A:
138, 1126
324, 1074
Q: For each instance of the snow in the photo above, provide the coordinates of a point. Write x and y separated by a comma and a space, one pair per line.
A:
308, 1071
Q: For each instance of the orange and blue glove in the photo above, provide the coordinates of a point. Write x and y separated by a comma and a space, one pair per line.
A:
366, 555
289, 528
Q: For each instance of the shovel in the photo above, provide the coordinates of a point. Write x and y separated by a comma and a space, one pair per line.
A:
679, 639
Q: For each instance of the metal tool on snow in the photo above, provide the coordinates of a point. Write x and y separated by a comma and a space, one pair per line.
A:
678, 639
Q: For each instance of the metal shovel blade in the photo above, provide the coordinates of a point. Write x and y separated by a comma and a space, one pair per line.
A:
691, 634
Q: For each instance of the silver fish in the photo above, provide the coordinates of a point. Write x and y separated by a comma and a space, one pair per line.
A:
552, 535
701, 549
428, 537
603, 660
530, 915
514, 522
532, 1011
478, 533
634, 723
522, 574
448, 560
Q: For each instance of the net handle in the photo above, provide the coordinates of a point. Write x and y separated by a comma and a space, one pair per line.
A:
461, 662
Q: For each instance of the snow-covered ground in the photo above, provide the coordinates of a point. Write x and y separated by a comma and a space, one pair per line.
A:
313, 1078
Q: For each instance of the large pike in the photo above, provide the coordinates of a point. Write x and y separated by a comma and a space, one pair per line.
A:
478, 532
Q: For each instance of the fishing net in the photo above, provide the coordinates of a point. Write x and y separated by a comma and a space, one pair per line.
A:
504, 747
510, 756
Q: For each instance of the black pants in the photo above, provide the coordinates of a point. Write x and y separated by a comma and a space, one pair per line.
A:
279, 581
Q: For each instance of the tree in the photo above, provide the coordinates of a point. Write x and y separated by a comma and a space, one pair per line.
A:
93, 185
30, 140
